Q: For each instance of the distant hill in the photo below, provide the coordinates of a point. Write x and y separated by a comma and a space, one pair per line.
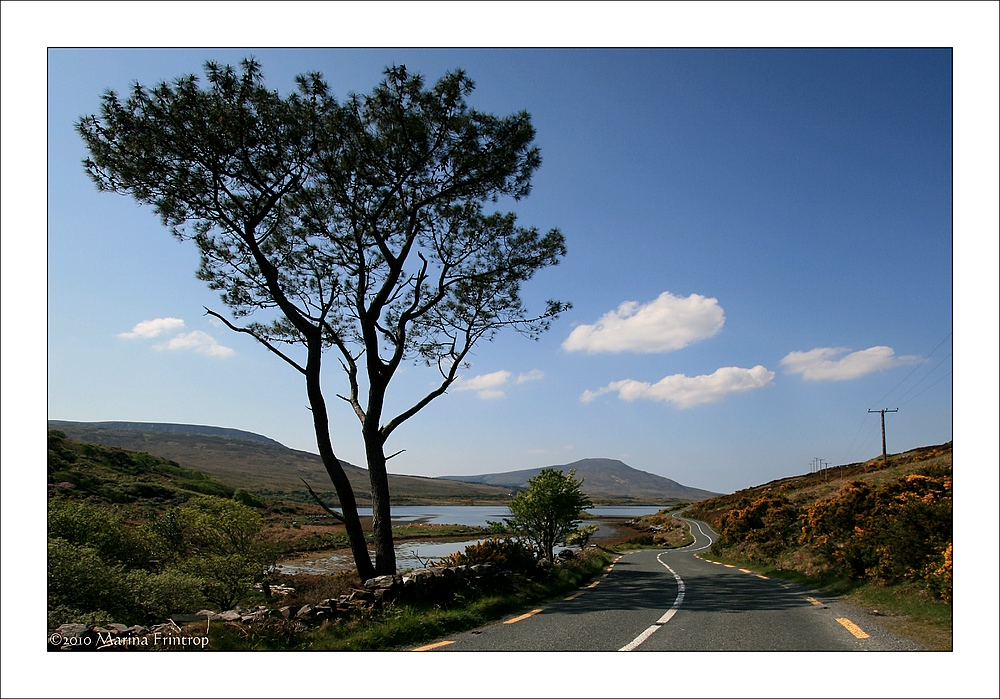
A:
254, 462
202, 430
608, 480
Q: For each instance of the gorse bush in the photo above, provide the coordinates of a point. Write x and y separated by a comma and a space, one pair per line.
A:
896, 532
760, 529
509, 554
899, 531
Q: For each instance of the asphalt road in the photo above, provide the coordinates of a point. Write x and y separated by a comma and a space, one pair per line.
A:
654, 600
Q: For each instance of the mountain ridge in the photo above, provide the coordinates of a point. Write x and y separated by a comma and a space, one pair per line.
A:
255, 462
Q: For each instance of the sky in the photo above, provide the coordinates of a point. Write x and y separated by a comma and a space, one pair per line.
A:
764, 245
760, 251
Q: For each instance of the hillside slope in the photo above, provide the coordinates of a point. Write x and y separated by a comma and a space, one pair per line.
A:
604, 479
263, 465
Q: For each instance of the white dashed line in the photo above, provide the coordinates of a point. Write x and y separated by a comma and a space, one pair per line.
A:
641, 638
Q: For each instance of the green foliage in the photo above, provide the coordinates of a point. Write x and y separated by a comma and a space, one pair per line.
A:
249, 499
546, 512
80, 581
158, 595
106, 532
221, 538
102, 564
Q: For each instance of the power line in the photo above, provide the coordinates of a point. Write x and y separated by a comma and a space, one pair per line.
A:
915, 368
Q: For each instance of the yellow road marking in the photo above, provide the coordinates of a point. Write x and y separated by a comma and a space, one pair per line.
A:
728, 566
522, 617
433, 646
744, 570
815, 601
853, 628
593, 584
573, 597
762, 577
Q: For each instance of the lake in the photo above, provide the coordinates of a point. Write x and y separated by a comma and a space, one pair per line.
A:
416, 554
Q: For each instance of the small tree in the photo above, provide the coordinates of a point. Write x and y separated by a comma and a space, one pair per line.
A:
547, 512
357, 227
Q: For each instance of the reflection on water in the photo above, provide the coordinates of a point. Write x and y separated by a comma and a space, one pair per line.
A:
416, 554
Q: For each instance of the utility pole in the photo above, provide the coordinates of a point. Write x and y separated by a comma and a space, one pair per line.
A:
882, 412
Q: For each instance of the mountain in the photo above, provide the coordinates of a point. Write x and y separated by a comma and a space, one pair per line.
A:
608, 480
254, 462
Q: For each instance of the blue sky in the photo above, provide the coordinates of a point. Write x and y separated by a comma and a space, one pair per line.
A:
760, 250
796, 211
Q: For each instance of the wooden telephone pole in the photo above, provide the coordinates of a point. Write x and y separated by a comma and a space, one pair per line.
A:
883, 411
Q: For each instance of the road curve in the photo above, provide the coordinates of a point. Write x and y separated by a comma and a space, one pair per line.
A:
673, 600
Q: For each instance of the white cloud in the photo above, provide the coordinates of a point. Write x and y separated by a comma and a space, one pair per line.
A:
198, 341
688, 391
493, 385
840, 364
533, 375
153, 328
665, 324
486, 386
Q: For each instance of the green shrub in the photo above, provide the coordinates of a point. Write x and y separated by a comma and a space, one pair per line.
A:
81, 582
249, 499
104, 530
172, 591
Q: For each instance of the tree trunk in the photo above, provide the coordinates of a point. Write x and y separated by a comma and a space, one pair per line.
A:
348, 504
385, 551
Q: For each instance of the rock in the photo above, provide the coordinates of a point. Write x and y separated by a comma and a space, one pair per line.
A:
230, 615
380, 582
305, 612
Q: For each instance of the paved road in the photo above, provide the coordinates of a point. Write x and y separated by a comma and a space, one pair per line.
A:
674, 600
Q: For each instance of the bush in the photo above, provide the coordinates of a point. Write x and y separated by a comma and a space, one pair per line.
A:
80, 582
899, 531
508, 554
158, 595
759, 529
104, 530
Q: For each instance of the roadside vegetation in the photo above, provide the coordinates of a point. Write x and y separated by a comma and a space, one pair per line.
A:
879, 533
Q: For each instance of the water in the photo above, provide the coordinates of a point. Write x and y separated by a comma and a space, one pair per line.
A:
415, 554
477, 515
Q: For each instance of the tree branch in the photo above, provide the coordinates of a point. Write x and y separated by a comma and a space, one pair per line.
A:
333, 513
258, 338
